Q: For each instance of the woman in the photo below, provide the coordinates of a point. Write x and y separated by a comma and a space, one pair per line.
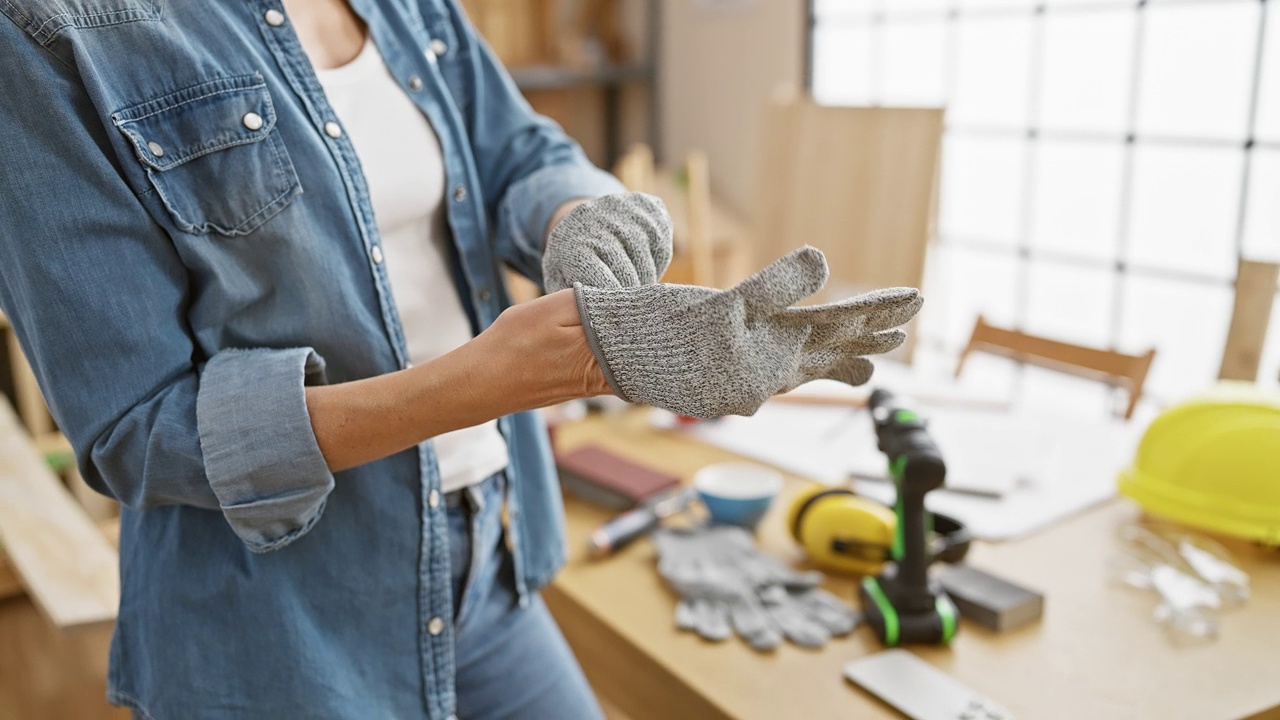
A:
235, 284
253, 252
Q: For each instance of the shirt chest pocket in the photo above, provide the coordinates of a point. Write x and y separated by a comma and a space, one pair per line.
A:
212, 154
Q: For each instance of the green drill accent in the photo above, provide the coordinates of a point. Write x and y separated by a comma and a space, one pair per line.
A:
897, 470
906, 416
887, 610
946, 611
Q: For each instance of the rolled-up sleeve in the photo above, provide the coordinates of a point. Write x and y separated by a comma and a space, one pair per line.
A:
260, 453
98, 296
530, 204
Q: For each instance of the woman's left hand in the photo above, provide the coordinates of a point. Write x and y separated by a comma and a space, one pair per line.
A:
615, 241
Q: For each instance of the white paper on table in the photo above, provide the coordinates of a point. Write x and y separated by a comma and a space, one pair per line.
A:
1047, 467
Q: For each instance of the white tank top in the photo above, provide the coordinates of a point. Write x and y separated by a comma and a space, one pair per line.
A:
404, 168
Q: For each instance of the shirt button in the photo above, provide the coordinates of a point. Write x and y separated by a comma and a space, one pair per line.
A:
415, 83
376, 254
274, 17
484, 295
253, 121
438, 47
430, 55
155, 148
460, 193
436, 626
333, 129
433, 499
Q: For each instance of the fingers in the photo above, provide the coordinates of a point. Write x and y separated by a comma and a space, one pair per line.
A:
833, 336
642, 227
875, 343
853, 339
879, 310
836, 616
753, 625
797, 626
651, 257
835, 365
711, 619
894, 315
787, 281
854, 371
619, 240
611, 269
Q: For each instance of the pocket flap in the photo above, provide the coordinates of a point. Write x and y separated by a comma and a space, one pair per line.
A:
198, 120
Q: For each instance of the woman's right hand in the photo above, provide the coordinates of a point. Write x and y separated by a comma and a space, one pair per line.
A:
539, 350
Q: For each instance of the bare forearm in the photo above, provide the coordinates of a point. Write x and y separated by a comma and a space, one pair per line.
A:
533, 357
361, 421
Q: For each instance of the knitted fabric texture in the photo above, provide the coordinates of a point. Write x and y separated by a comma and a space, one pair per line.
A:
704, 353
727, 585
615, 241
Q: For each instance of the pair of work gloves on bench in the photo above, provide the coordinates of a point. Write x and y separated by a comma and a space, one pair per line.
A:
699, 351
727, 585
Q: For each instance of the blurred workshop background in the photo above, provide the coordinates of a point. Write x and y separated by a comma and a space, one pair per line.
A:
1088, 194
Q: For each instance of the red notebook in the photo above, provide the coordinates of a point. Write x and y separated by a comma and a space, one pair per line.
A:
601, 477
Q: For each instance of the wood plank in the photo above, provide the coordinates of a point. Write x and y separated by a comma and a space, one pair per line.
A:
29, 401
611, 711
730, 237
698, 241
65, 563
111, 531
726, 227
1255, 296
97, 506
858, 183
10, 585
53, 443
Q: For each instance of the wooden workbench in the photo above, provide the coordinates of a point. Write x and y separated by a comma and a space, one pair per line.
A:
1096, 654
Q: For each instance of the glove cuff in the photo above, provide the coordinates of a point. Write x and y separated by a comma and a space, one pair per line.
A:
593, 342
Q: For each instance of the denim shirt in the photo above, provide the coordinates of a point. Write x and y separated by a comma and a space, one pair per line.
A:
186, 242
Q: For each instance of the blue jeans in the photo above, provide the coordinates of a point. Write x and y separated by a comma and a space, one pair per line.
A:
512, 661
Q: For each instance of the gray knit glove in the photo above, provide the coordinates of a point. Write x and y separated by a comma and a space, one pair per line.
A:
705, 353
727, 585
615, 241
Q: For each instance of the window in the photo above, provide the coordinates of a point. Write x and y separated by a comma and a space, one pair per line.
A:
1105, 163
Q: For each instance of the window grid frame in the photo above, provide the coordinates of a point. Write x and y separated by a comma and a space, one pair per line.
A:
1120, 269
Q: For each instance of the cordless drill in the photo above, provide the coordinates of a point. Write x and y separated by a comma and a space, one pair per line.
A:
901, 604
